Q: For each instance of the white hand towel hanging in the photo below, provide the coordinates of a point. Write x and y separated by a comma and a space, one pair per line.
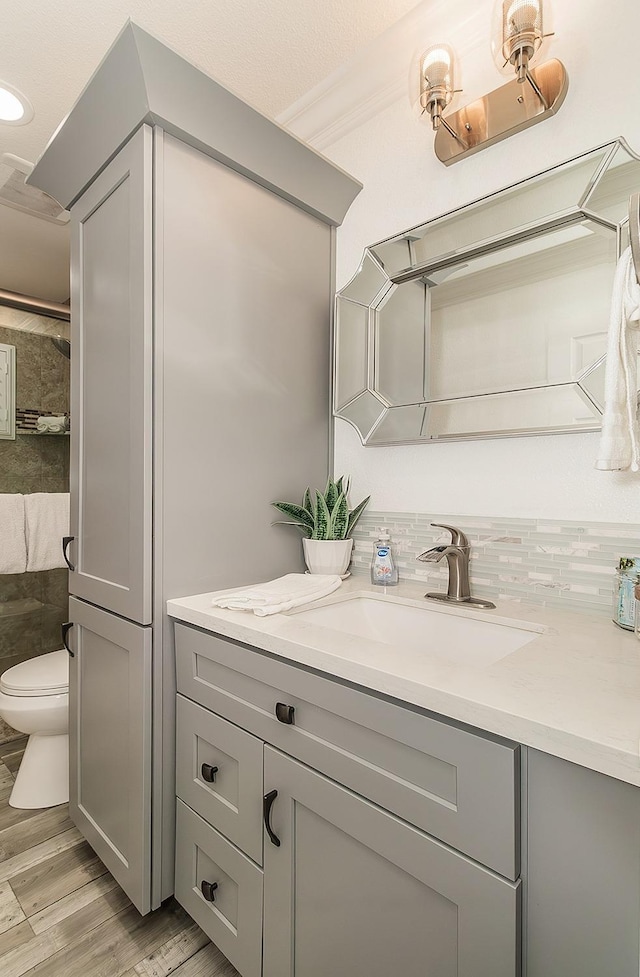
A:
281, 594
619, 448
13, 543
47, 519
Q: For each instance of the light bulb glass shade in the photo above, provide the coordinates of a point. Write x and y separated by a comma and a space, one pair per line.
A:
522, 29
437, 80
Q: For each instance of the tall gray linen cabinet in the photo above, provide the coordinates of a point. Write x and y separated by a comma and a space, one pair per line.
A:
202, 278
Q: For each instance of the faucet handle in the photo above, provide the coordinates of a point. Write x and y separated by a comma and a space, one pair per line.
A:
458, 538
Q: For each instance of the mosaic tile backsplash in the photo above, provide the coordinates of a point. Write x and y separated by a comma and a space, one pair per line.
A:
571, 565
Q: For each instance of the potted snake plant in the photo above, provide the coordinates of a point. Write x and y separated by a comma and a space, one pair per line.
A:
326, 522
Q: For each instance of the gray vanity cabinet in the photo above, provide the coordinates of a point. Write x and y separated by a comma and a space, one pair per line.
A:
351, 889
535, 872
110, 743
172, 385
178, 374
203, 240
110, 680
326, 805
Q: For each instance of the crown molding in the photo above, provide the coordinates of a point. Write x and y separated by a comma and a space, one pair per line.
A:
378, 74
143, 81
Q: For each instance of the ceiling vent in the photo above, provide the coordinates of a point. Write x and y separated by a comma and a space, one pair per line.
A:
15, 193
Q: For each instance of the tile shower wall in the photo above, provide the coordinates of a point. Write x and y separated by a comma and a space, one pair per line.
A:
556, 563
33, 605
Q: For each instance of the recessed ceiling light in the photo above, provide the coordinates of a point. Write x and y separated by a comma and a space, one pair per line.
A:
15, 108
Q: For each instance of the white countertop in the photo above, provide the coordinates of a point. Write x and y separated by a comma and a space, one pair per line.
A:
574, 691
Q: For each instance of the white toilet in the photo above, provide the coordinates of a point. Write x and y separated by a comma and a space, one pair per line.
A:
34, 699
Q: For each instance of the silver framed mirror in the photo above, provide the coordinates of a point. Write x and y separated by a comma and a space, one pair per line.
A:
489, 321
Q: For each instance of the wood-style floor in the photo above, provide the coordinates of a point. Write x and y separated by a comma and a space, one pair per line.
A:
63, 915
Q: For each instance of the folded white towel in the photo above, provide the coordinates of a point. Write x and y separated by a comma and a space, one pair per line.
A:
47, 520
620, 442
51, 425
280, 594
13, 543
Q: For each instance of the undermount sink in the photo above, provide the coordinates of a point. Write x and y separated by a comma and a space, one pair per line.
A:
447, 635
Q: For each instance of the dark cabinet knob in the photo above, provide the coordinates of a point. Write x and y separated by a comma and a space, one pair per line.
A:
208, 890
208, 772
285, 713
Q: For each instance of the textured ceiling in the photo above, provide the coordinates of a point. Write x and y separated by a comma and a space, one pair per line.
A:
269, 52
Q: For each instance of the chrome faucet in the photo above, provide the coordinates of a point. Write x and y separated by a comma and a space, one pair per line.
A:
457, 555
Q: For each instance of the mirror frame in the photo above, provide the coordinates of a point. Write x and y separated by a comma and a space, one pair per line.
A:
367, 408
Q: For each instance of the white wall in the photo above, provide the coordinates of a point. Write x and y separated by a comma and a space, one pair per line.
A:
404, 184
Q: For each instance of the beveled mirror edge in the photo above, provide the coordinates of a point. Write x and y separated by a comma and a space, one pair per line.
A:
610, 144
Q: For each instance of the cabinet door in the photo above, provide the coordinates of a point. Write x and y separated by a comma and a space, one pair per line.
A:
110, 743
110, 476
583, 871
353, 890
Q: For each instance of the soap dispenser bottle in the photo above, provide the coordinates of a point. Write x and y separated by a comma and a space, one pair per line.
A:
384, 571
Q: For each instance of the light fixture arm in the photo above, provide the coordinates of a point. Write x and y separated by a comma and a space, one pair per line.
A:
521, 63
529, 77
452, 132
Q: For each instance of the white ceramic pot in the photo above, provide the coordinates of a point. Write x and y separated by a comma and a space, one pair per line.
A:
327, 555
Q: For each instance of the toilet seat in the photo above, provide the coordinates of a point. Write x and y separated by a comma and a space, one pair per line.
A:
44, 675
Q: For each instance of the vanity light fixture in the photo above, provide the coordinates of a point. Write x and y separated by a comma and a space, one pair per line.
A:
534, 95
15, 108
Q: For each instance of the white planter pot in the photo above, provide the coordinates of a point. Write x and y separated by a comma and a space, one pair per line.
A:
327, 555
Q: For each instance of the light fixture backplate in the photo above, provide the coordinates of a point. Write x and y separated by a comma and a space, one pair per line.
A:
503, 112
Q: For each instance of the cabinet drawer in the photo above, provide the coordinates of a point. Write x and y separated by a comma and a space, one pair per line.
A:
454, 784
219, 774
233, 920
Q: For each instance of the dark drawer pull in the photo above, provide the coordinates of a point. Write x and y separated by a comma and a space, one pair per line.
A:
65, 628
285, 713
208, 890
267, 804
208, 772
65, 545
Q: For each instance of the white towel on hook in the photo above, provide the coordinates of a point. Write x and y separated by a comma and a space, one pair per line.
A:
13, 543
619, 448
47, 519
280, 594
